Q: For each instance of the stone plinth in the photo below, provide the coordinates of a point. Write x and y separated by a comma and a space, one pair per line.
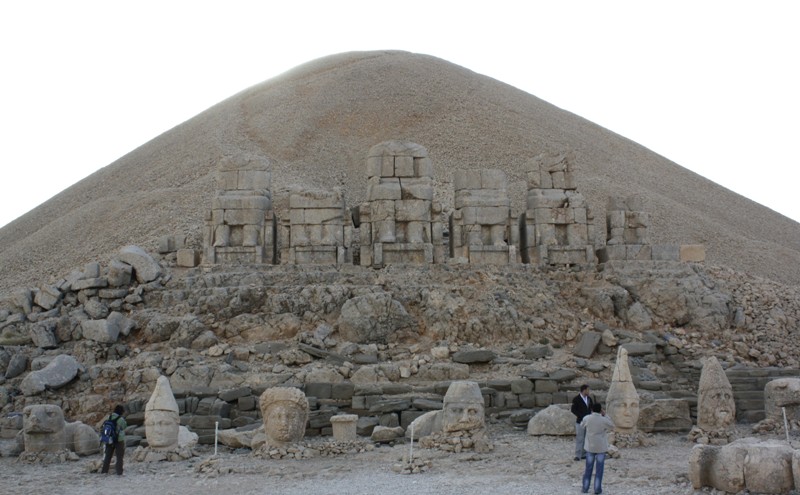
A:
344, 427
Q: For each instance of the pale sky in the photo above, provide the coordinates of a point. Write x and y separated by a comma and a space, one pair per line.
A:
711, 85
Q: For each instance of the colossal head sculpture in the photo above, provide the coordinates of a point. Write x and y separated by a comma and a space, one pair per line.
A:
716, 410
161, 417
782, 394
622, 401
43, 428
285, 413
463, 407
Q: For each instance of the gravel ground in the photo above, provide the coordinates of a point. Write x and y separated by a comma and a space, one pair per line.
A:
519, 464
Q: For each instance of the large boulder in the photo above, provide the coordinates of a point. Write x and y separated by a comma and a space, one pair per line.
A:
82, 438
61, 370
665, 415
768, 467
554, 420
373, 318
145, 268
386, 433
796, 468
746, 464
108, 330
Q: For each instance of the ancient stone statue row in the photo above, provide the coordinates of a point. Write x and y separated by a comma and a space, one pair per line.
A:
400, 222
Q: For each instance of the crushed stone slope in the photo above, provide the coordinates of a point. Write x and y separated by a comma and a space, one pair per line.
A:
316, 123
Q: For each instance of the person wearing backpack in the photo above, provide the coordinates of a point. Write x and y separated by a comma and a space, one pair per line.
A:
114, 440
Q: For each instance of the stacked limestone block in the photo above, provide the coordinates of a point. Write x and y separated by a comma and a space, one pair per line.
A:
241, 226
558, 227
400, 222
318, 230
481, 225
628, 236
627, 230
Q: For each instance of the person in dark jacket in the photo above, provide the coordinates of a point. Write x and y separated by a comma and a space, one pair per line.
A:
117, 447
581, 407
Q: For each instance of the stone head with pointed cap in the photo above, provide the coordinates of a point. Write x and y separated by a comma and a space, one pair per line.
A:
161, 417
622, 401
715, 407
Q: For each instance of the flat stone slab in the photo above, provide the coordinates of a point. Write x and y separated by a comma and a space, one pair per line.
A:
562, 375
538, 352
587, 345
639, 348
390, 405
474, 357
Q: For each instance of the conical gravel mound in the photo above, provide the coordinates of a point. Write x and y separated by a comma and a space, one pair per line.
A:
316, 123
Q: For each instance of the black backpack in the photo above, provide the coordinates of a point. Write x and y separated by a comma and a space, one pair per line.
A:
108, 432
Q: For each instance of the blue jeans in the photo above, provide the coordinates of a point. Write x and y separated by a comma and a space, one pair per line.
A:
591, 459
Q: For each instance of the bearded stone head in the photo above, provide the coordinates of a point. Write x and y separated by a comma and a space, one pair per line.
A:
716, 409
463, 407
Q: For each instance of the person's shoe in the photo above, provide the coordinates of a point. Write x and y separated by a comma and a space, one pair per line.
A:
577, 458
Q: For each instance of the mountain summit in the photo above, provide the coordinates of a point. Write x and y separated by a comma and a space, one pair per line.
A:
316, 124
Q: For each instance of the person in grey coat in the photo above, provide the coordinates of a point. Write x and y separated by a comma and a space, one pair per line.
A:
597, 425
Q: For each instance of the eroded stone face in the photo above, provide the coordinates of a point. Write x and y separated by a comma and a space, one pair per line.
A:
43, 428
161, 417
715, 407
624, 412
161, 429
622, 402
782, 393
463, 408
745, 464
285, 413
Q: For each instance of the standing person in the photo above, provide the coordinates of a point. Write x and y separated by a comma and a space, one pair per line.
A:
581, 407
118, 446
597, 426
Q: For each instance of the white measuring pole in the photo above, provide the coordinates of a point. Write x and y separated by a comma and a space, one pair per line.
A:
785, 424
216, 436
